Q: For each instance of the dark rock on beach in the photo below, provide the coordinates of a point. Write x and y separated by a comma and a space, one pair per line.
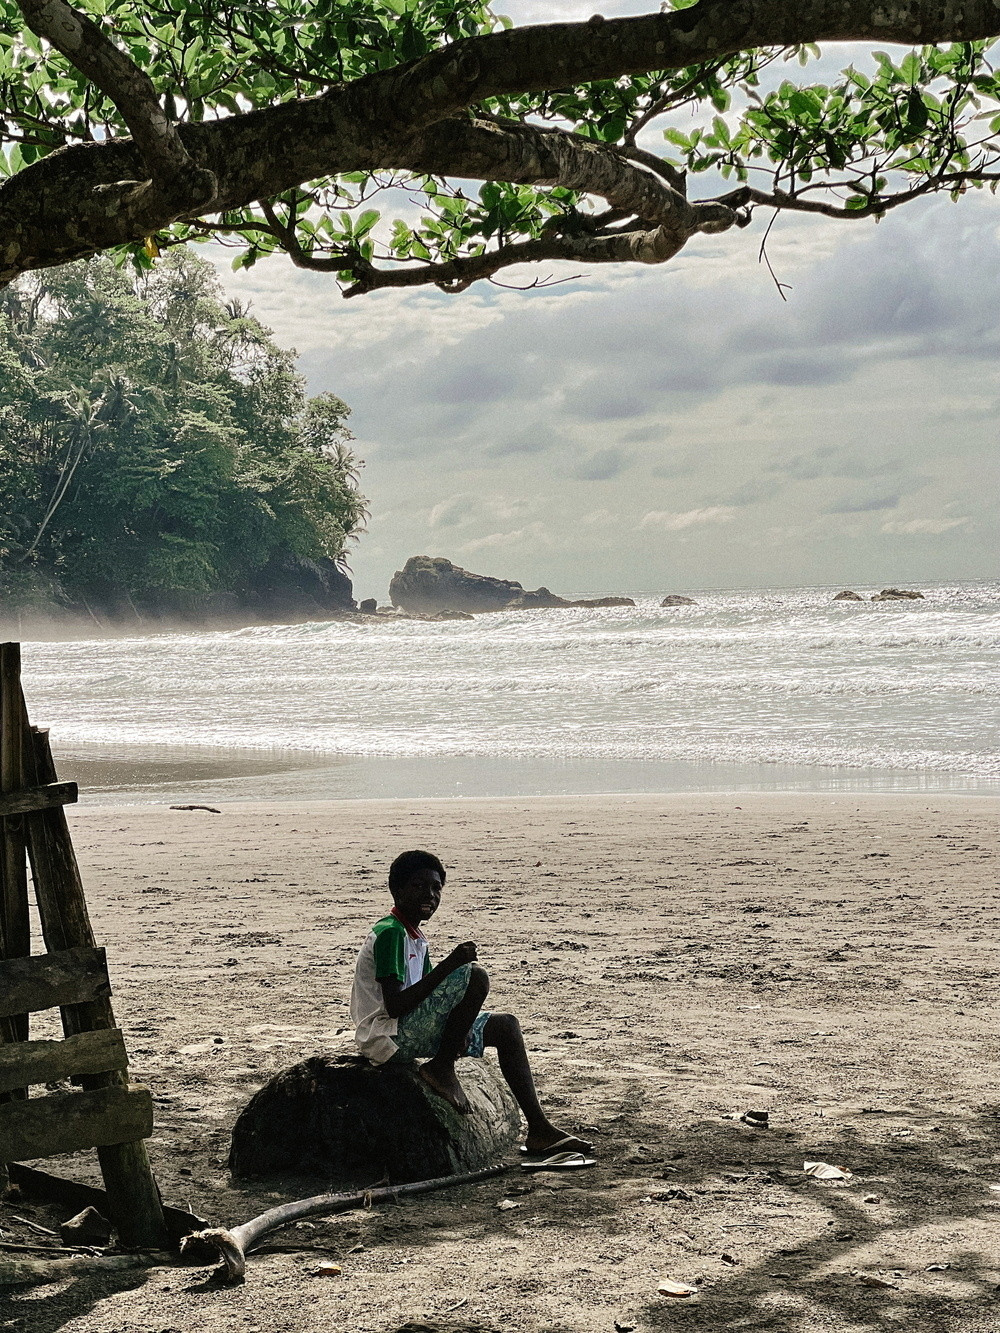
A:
675, 599
897, 595
848, 596
342, 1118
368, 607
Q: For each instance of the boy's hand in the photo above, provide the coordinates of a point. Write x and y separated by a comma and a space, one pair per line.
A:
460, 955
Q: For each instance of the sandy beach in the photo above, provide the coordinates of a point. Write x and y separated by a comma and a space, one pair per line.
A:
832, 960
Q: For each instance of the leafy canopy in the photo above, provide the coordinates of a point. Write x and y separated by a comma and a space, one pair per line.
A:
156, 446
887, 130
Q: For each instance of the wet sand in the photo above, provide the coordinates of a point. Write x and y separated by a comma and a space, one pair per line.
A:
830, 959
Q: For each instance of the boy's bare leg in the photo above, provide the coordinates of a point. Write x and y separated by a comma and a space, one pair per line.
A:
504, 1032
439, 1071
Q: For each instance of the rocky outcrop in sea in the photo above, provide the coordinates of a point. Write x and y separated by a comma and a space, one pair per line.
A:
430, 584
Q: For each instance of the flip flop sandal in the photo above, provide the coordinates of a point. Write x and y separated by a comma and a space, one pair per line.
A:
560, 1161
558, 1146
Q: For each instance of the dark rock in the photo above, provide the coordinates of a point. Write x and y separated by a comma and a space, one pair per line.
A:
897, 595
675, 599
446, 614
86, 1228
291, 586
540, 599
427, 584
605, 601
352, 1123
368, 607
848, 596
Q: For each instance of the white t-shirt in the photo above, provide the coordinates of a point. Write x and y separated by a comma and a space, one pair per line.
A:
389, 951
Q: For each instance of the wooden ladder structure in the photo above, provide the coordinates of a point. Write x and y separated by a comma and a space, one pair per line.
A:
106, 1113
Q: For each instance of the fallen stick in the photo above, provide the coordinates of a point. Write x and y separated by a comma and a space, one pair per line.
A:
61, 1251
232, 1247
15, 1272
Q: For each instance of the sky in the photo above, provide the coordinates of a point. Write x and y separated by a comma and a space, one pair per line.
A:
679, 427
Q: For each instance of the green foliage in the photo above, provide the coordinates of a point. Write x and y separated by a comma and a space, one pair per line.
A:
932, 116
928, 120
155, 444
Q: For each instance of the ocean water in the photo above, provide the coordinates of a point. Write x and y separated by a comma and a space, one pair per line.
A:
772, 689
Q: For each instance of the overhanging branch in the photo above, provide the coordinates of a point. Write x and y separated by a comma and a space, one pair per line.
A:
84, 199
87, 48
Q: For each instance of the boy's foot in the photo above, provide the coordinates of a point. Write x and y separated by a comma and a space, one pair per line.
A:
444, 1081
555, 1141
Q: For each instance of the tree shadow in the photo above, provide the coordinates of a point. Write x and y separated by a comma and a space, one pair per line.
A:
45, 1309
897, 1221
799, 1244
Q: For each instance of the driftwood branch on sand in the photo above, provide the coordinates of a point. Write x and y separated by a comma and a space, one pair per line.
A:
21, 1271
233, 1246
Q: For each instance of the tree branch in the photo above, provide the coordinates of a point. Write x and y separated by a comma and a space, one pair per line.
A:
86, 47
747, 196
562, 55
652, 246
86, 198
541, 155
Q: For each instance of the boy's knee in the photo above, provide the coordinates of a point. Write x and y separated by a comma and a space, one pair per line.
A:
479, 978
505, 1025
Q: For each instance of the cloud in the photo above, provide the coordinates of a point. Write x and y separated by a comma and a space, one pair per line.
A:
925, 526
534, 534
834, 460
522, 444
691, 518
449, 513
862, 505
600, 465
600, 518
754, 491
792, 367
769, 418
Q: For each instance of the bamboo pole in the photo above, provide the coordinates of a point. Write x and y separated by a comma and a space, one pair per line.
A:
135, 1206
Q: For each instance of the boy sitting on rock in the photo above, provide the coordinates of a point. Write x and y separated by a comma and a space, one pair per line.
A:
405, 1009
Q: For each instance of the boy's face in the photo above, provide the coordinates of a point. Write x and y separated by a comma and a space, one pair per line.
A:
420, 896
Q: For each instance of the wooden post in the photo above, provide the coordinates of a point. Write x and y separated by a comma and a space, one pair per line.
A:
15, 923
136, 1209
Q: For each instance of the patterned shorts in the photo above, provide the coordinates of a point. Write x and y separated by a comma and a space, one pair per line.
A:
418, 1034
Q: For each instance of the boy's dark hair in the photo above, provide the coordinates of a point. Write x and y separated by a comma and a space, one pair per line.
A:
408, 864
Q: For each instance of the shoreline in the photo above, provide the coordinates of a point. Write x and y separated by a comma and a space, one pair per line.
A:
318, 805
154, 775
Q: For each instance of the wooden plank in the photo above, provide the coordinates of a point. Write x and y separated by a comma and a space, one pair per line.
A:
67, 1122
133, 1198
30, 799
32, 1062
68, 977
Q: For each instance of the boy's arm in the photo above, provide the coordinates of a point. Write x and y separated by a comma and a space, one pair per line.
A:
400, 1000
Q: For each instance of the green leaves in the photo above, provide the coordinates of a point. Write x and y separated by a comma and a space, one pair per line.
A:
914, 120
179, 416
921, 119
